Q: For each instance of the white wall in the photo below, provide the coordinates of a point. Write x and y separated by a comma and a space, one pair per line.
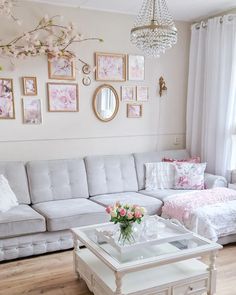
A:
71, 134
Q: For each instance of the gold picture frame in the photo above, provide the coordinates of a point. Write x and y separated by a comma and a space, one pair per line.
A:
142, 93
30, 86
62, 68
7, 105
63, 97
134, 110
110, 67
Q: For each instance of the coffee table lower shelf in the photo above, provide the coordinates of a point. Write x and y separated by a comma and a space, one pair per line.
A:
189, 277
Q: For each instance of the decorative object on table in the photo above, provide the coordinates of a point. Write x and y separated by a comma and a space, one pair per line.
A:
105, 103
49, 36
162, 86
142, 93
126, 216
32, 111
86, 69
128, 93
134, 110
63, 97
136, 67
154, 30
62, 68
86, 81
30, 86
110, 67
7, 109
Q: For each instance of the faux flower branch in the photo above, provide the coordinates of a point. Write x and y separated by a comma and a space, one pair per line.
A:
48, 37
6, 9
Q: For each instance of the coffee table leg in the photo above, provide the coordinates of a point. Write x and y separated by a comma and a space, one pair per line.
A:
212, 269
76, 249
118, 283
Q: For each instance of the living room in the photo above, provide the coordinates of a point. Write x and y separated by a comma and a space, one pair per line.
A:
120, 111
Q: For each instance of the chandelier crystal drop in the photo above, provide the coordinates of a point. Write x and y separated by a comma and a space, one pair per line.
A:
154, 30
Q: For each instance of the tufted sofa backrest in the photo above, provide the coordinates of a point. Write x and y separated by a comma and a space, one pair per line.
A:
111, 174
57, 180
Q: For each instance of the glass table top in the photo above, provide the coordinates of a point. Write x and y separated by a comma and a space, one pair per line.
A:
182, 243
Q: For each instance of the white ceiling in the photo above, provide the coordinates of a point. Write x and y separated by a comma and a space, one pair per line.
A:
186, 10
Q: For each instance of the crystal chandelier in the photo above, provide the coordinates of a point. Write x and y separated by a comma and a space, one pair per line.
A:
154, 30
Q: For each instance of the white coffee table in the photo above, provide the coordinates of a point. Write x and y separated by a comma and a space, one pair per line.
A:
164, 269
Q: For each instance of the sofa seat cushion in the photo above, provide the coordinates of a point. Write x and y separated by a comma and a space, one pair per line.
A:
163, 194
21, 220
152, 205
65, 214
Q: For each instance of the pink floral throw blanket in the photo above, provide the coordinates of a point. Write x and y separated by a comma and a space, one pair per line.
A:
181, 206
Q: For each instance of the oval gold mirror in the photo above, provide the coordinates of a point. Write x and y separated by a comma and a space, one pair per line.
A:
105, 103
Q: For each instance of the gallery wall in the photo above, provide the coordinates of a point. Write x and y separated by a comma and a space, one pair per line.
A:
62, 135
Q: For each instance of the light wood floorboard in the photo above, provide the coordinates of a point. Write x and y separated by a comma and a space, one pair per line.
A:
53, 274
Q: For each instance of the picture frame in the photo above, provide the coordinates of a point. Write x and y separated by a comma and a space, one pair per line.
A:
32, 111
63, 97
62, 68
136, 67
128, 93
7, 107
134, 110
110, 67
142, 93
30, 86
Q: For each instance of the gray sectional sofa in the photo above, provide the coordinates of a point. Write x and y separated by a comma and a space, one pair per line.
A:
57, 195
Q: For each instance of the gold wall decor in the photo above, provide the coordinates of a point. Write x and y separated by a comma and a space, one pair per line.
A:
162, 85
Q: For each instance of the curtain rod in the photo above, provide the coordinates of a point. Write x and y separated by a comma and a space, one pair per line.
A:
204, 23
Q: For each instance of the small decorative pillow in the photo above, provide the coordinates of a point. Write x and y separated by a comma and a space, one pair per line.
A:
190, 160
159, 175
7, 196
189, 175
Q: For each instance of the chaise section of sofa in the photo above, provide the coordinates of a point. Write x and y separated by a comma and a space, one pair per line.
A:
114, 178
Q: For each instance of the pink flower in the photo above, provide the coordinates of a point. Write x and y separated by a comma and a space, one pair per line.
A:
130, 215
108, 209
137, 214
122, 212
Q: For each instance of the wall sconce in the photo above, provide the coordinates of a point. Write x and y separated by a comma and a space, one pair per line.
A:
162, 85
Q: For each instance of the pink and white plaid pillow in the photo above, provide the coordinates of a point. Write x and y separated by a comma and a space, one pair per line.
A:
189, 175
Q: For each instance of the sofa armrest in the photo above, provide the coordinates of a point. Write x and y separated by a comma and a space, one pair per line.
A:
212, 181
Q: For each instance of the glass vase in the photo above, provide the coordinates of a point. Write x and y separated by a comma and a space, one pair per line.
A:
126, 233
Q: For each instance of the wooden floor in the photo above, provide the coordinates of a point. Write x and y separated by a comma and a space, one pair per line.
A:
53, 274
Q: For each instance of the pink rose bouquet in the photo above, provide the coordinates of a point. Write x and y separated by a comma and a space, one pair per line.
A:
126, 215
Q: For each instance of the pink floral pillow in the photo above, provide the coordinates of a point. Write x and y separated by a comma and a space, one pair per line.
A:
194, 159
189, 175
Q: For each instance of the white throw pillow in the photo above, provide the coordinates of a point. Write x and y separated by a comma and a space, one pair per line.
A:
159, 175
7, 197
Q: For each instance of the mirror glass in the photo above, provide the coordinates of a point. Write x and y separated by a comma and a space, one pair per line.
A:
105, 103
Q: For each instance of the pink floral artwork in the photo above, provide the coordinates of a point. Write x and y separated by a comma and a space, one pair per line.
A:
110, 67
62, 97
32, 113
61, 68
30, 85
7, 110
142, 93
128, 93
134, 110
136, 67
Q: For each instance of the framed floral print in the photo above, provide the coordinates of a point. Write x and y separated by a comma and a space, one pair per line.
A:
7, 109
63, 97
136, 67
32, 111
62, 68
128, 93
110, 67
134, 110
30, 86
142, 93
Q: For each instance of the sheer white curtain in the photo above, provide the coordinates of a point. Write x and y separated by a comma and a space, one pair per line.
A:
211, 104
